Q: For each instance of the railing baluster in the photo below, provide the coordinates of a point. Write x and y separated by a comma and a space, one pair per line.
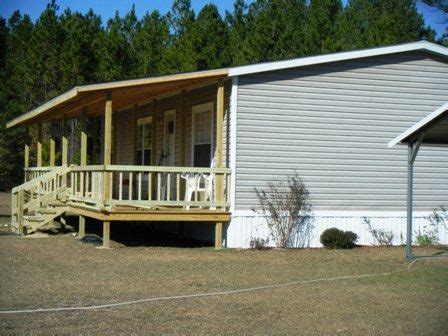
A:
178, 187
140, 186
150, 186
168, 187
120, 186
130, 186
159, 185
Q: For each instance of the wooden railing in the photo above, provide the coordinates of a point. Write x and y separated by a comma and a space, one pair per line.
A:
151, 186
32, 194
35, 172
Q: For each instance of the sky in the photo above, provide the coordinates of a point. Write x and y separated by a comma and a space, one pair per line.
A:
106, 8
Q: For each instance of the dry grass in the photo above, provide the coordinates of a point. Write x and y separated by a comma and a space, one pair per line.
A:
61, 271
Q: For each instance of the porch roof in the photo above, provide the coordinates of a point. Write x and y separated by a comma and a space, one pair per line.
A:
434, 126
124, 93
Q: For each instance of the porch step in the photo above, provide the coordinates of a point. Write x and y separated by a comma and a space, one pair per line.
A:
33, 219
48, 211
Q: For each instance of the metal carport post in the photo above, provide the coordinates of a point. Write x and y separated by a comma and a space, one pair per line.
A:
433, 130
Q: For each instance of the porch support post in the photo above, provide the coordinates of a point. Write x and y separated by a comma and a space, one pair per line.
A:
218, 235
39, 146
219, 142
134, 134
94, 140
219, 150
64, 150
26, 154
83, 161
106, 235
82, 227
183, 158
107, 146
153, 133
64, 153
183, 125
52, 145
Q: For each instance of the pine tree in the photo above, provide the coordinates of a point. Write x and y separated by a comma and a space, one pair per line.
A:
237, 24
180, 55
150, 40
77, 58
46, 41
368, 23
277, 30
321, 26
210, 38
15, 96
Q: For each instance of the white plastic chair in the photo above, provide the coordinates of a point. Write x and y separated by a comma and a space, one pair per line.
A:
201, 183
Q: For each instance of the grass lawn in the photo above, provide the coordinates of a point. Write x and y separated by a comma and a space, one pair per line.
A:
61, 271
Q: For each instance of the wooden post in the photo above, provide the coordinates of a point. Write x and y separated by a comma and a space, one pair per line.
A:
64, 150
20, 204
134, 134
82, 227
94, 141
64, 154
52, 146
39, 145
106, 235
153, 133
107, 145
218, 235
183, 125
219, 143
83, 161
26, 153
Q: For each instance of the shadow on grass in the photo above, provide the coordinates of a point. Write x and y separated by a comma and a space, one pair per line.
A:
135, 234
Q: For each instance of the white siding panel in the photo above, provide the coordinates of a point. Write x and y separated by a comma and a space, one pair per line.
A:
332, 124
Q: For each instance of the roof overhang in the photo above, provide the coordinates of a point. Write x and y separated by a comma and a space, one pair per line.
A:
124, 94
341, 56
434, 126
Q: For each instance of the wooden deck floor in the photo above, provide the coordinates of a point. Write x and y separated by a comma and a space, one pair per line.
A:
140, 214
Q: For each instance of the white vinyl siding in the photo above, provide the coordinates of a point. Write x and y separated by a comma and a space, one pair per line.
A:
332, 123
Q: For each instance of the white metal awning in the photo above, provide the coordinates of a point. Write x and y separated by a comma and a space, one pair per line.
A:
435, 127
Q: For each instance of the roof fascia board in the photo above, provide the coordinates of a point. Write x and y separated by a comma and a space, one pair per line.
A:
341, 56
153, 80
419, 125
44, 107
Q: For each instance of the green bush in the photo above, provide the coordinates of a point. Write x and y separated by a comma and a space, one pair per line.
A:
337, 239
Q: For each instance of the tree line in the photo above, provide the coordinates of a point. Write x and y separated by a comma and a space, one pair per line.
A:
41, 59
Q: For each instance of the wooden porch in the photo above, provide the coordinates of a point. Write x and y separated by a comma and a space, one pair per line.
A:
112, 192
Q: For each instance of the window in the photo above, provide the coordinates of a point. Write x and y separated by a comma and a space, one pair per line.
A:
144, 141
202, 135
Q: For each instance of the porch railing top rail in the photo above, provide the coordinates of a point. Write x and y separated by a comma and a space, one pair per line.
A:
162, 169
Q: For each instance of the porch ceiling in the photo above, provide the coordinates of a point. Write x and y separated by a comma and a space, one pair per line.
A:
124, 94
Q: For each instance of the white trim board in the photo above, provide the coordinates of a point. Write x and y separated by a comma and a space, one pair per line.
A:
344, 213
340, 56
233, 140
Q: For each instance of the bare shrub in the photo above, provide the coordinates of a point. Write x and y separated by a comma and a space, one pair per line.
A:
259, 243
285, 205
380, 236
